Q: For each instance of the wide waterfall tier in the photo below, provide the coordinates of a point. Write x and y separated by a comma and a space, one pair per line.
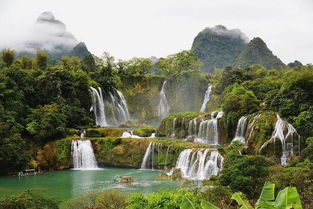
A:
194, 127
83, 155
206, 99
199, 164
110, 110
241, 129
208, 130
98, 107
164, 107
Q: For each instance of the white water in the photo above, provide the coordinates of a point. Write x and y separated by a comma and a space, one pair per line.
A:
241, 129
147, 162
164, 108
174, 125
278, 133
206, 99
130, 134
98, 107
83, 156
199, 164
117, 107
208, 130
192, 128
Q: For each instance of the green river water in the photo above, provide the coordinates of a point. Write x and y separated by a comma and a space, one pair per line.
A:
67, 184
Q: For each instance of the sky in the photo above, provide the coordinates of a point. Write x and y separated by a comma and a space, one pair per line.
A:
144, 28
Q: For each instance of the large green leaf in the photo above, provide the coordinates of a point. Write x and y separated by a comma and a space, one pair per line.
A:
266, 199
288, 198
207, 205
239, 197
187, 204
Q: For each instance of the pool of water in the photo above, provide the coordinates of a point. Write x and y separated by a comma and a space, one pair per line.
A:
67, 184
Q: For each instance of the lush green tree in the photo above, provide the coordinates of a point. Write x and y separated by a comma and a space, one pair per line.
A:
8, 56
179, 65
41, 60
46, 122
245, 174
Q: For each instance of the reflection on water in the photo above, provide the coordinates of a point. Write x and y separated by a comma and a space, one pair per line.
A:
71, 183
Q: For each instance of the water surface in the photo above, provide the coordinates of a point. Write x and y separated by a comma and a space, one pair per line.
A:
70, 183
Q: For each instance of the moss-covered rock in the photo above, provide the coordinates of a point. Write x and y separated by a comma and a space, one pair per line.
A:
144, 131
104, 132
128, 152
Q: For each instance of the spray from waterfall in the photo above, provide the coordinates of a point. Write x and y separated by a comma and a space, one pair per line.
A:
164, 108
241, 129
83, 155
199, 164
206, 99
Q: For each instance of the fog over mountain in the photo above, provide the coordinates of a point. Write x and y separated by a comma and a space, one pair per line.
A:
48, 34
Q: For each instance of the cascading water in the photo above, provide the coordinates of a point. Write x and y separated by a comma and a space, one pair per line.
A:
147, 162
192, 128
118, 108
206, 99
83, 155
174, 125
164, 108
241, 129
199, 164
98, 107
119, 103
208, 129
278, 133
130, 134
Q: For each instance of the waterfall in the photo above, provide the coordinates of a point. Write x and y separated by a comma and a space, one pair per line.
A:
173, 132
192, 128
199, 164
148, 158
98, 107
278, 133
163, 104
118, 108
208, 130
118, 102
206, 99
241, 129
83, 156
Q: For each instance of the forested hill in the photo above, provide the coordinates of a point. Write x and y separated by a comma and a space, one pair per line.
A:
218, 47
256, 52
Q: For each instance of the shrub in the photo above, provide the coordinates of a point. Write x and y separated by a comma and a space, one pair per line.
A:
29, 199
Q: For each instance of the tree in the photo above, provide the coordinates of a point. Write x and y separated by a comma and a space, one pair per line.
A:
8, 56
41, 60
179, 65
245, 174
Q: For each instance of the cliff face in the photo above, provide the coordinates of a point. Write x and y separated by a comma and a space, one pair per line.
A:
142, 95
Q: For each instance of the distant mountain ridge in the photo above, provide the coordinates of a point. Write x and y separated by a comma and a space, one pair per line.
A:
257, 52
219, 47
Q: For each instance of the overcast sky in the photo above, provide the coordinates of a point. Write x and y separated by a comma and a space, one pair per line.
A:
144, 28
